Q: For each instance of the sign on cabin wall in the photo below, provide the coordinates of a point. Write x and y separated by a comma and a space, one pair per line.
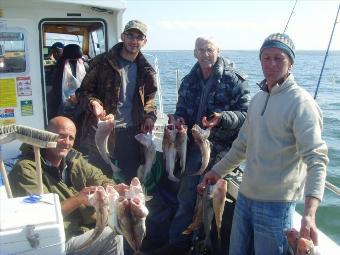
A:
26, 108
7, 116
24, 87
8, 93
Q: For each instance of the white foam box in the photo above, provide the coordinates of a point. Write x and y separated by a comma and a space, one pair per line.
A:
27, 228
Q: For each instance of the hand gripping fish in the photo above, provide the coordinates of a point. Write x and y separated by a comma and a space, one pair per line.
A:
99, 201
299, 245
169, 151
204, 213
201, 138
219, 191
103, 131
147, 140
181, 145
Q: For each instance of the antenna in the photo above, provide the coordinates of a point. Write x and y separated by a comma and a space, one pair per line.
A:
326, 55
291, 13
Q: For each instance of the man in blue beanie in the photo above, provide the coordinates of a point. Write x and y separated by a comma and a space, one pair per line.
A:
285, 154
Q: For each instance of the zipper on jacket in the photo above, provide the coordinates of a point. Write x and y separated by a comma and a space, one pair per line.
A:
265, 104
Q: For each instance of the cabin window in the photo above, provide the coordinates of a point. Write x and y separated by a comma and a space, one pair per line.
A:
12, 52
97, 43
64, 38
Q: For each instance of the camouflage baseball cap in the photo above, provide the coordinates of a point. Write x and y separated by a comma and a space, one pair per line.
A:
136, 24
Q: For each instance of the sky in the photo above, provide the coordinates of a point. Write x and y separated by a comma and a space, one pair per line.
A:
236, 24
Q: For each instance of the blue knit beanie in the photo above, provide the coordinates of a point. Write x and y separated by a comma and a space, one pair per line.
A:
281, 41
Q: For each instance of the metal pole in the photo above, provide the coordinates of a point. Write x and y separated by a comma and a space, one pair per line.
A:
177, 84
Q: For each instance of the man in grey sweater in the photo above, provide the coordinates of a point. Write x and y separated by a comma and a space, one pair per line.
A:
284, 151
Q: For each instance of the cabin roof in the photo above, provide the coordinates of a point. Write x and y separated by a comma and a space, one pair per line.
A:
105, 4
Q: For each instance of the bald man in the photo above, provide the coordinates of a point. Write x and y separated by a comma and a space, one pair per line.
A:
68, 174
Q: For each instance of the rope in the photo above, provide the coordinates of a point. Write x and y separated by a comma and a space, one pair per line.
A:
326, 55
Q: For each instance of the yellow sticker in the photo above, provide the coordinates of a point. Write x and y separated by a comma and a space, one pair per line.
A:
8, 93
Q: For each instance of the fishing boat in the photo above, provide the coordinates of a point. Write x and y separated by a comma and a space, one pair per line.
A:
28, 30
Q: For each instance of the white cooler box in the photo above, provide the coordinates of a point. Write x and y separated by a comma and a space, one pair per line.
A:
31, 228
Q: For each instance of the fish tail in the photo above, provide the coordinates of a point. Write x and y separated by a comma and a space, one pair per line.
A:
173, 178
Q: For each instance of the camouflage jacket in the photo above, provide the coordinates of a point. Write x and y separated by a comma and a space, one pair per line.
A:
103, 83
229, 96
23, 180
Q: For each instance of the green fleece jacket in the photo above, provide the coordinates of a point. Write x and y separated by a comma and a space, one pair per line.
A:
280, 139
80, 174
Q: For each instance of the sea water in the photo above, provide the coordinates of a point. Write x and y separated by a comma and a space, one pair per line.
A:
306, 71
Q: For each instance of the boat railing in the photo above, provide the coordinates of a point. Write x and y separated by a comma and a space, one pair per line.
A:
158, 81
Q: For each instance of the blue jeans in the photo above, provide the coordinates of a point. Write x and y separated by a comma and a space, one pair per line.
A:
258, 227
186, 199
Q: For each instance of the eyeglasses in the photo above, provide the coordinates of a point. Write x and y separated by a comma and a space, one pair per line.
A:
138, 37
202, 51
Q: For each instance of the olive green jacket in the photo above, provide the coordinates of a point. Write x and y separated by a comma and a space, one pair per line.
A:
80, 174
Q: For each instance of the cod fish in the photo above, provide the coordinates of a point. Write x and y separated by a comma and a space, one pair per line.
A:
211, 203
113, 197
181, 145
219, 199
138, 212
299, 245
99, 200
169, 151
103, 131
203, 214
201, 138
131, 215
124, 219
197, 219
147, 140
208, 214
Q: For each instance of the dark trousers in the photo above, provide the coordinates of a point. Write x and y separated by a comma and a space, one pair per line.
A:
127, 153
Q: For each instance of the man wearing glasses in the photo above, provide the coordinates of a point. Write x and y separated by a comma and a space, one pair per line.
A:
120, 82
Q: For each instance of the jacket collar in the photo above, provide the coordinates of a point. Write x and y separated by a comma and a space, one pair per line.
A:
218, 69
277, 88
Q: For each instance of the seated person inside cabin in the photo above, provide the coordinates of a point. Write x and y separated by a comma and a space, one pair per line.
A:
56, 51
68, 174
70, 72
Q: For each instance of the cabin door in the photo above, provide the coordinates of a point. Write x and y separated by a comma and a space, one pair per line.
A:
88, 34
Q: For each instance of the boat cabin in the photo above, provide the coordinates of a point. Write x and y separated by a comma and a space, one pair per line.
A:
28, 29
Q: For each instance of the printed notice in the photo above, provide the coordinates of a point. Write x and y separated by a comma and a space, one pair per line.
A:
24, 87
7, 93
7, 116
26, 108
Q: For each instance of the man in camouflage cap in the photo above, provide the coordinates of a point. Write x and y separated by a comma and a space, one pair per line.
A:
120, 82
138, 25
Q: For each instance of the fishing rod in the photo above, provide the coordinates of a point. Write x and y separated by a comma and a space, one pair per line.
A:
326, 55
328, 185
291, 13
